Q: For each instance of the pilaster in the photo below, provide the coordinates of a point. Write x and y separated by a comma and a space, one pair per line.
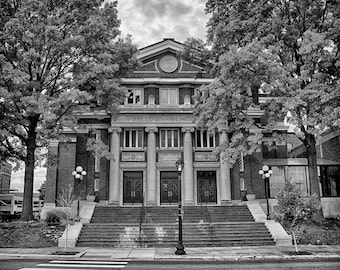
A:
188, 176
225, 186
114, 166
151, 182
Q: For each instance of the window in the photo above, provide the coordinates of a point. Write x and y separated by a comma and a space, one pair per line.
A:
133, 138
277, 150
205, 139
169, 96
134, 96
169, 138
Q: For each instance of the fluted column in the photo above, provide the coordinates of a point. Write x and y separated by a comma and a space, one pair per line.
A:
225, 185
114, 167
188, 175
151, 183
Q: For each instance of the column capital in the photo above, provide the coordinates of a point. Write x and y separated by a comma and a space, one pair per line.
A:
188, 129
115, 130
151, 129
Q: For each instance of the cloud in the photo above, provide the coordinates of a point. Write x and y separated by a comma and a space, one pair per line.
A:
149, 21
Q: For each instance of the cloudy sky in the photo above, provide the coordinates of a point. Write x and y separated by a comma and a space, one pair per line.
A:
148, 21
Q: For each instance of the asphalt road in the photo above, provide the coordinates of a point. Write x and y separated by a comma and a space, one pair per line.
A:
16, 264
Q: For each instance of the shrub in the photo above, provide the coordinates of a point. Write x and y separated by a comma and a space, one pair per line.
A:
294, 209
55, 217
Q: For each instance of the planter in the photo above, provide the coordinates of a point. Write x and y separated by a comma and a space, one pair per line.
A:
250, 197
90, 198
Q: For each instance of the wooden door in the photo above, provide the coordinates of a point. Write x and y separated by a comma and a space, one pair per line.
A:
207, 191
169, 187
133, 187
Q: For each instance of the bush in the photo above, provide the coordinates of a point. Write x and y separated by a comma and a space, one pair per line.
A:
55, 216
295, 209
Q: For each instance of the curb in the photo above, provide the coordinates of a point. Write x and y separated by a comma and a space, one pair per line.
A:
187, 258
41, 256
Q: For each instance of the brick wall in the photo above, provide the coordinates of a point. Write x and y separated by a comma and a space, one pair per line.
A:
66, 166
331, 149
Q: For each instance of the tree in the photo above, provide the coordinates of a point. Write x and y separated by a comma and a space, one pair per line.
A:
55, 55
288, 50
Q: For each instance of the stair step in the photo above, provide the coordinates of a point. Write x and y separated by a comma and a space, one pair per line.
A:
202, 226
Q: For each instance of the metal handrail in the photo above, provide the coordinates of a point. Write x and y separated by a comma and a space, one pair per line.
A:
141, 216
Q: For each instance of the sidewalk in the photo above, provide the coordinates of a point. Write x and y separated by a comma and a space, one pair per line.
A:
257, 253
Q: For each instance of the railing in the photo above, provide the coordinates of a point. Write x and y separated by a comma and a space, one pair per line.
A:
141, 216
207, 214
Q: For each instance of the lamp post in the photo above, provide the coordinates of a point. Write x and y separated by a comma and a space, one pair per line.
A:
179, 247
266, 172
79, 174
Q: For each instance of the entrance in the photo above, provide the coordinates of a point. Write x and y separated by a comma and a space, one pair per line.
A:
169, 187
133, 187
207, 191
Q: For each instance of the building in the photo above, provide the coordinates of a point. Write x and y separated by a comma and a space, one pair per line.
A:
5, 177
149, 133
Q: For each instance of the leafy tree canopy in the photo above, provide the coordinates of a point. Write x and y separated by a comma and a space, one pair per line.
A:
55, 55
286, 50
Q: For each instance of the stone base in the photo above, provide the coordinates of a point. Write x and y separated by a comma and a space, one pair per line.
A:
151, 203
113, 203
226, 203
189, 203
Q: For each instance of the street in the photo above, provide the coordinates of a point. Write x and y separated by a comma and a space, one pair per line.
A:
29, 264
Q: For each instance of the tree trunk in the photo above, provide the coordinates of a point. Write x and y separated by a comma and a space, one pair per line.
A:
27, 207
312, 164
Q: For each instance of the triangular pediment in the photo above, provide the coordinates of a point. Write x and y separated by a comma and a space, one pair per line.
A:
163, 58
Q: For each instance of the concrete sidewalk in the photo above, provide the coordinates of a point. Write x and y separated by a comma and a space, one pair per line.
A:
258, 253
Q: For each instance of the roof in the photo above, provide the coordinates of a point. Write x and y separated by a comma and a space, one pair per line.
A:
167, 43
298, 162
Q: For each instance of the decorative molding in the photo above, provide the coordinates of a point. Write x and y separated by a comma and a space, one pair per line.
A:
166, 80
133, 156
154, 118
151, 129
205, 156
114, 130
168, 63
188, 129
168, 157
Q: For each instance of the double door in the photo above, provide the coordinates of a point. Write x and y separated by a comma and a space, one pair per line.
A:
133, 187
207, 190
169, 188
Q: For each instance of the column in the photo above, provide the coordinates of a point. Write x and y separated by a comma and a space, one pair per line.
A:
151, 176
114, 167
188, 174
225, 186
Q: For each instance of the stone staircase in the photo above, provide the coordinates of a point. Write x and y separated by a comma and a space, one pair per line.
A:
203, 226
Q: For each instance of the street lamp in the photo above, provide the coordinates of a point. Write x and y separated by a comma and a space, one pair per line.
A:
266, 172
179, 247
79, 174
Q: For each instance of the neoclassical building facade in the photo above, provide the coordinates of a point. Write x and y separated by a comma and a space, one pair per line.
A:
147, 135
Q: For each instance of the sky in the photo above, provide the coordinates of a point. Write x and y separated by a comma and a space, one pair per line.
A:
148, 22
